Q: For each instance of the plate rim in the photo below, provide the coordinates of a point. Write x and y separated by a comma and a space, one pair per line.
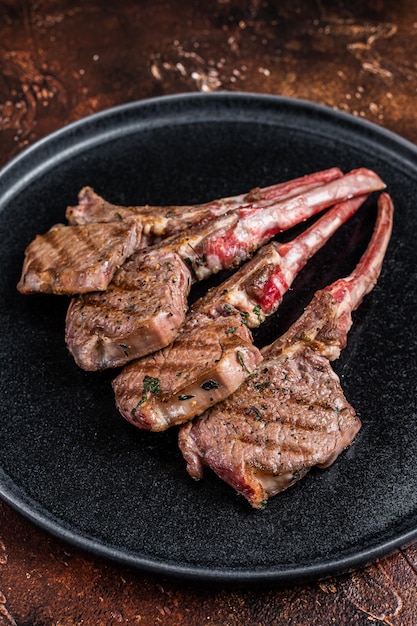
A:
291, 574
73, 127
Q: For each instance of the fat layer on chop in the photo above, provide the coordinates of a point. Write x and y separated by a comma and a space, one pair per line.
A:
163, 221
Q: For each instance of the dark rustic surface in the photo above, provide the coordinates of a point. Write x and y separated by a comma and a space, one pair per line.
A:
62, 60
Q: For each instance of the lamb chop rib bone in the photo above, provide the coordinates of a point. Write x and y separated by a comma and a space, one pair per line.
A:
96, 324
291, 414
215, 344
232, 240
163, 221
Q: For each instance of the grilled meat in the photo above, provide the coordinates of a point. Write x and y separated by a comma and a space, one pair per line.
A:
222, 243
196, 371
77, 259
215, 323
139, 312
291, 414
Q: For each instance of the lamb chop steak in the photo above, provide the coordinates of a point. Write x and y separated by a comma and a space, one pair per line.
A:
77, 259
185, 381
140, 311
291, 414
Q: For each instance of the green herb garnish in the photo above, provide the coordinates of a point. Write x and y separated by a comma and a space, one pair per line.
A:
262, 386
244, 316
257, 310
150, 385
242, 362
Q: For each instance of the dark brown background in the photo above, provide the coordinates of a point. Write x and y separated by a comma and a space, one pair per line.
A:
61, 60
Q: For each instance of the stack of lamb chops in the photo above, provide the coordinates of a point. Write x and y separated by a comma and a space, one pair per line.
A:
290, 414
88, 257
141, 301
185, 363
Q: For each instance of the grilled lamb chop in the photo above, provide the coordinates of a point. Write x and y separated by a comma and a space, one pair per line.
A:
140, 311
164, 221
97, 326
77, 259
84, 256
215, 353
291, 414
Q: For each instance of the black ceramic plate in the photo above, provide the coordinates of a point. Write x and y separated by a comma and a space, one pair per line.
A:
70, 463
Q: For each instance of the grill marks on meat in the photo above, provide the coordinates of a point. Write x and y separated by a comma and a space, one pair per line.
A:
186, 379
77, 259
291, 414
106, 329
216, 338
238, 234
